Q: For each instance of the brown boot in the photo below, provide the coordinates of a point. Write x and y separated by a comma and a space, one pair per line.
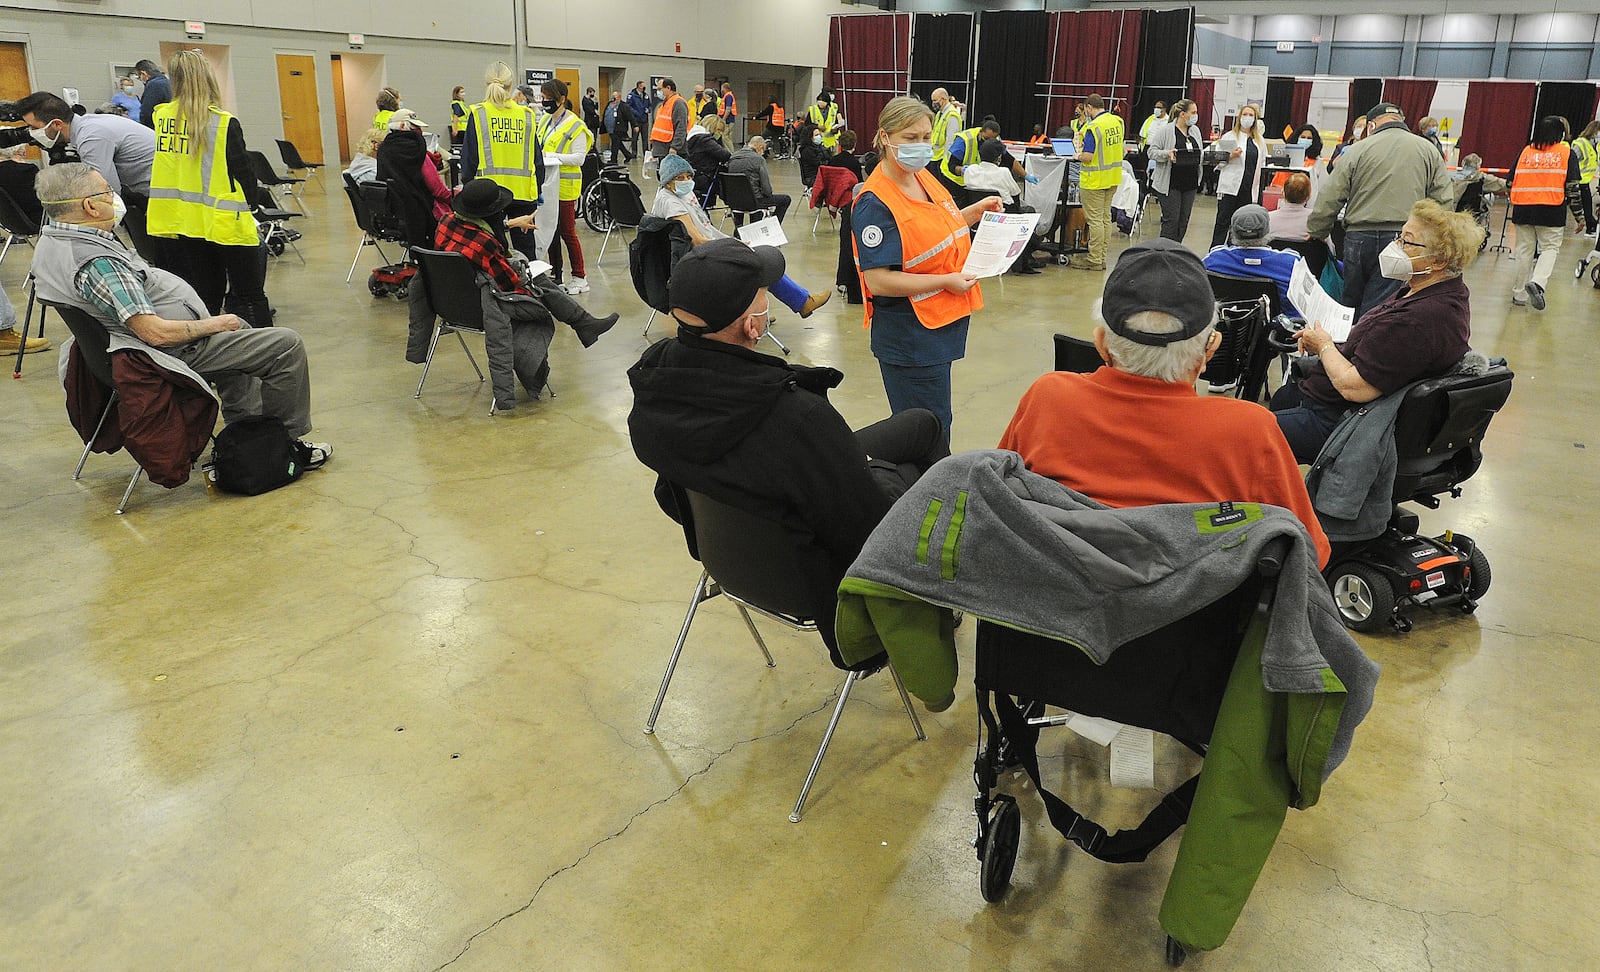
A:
10, 340
814, 301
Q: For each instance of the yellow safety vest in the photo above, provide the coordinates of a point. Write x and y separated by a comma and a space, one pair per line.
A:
1588, 159
505, 148
946, 123
825, 120
194, 195
969, 155
1105, 171
558, 139
381, 119
458, 123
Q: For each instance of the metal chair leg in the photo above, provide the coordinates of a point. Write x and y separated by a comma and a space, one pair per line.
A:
700, 596
359, 247
647, 324
603, 243
827, 737
438, 329
129, 491
775, 339
470, 357
905, 699
10, 238
104, 414
760, 642
27, 319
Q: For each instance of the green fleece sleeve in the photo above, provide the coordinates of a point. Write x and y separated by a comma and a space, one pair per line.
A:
919, 637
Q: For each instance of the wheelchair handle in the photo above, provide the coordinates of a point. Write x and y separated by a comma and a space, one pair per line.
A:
1273, 556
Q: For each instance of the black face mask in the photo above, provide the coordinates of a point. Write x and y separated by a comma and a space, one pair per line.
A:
551, 106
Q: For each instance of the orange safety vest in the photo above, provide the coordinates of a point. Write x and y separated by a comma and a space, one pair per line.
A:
778, 117
727, 105
1541, 178
1038, 140
662, 132
934, 239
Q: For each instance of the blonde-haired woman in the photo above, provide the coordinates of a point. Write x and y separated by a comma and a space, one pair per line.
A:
388, 103
502, 144
364, 164
911, 241
1420, 331
201, 188
1239, 181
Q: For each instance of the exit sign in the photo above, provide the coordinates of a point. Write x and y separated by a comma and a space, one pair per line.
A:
194, 27
1285, 47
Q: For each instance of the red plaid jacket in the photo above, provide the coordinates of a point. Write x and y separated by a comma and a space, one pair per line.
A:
482, 249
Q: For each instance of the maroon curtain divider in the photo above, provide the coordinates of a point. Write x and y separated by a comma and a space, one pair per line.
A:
869, 62
1413, 95
1093, 53
1300, 104
1203, 92
1496, 121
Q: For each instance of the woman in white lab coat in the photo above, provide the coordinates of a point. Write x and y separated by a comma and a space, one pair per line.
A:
1239, 180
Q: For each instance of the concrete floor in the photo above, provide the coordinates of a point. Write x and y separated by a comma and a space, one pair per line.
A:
390, 717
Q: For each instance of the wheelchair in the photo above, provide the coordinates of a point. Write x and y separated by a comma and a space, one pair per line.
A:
592, 207
1438, 437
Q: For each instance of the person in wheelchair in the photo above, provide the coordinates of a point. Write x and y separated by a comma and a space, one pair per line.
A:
1139, 435
1420, 331
1249, 253
712, 415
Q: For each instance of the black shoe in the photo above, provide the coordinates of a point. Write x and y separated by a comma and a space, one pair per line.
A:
589, 331
1025, 269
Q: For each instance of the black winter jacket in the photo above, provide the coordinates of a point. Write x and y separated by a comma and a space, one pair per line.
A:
757, 433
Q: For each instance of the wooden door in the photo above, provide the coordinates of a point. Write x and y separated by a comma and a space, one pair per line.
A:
340, 116
759, 94
297, 93
574, 88
14, 82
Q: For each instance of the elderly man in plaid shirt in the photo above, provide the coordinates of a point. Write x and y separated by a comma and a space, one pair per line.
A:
80, 262
477, 231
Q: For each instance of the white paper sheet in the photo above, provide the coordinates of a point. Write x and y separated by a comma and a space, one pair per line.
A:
1046, 193
1314, 304
763, 232
1133, 759
1002, 237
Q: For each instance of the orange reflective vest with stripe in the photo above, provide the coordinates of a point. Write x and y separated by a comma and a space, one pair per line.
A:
662, 132
727, 106
1541, 178
933, 240
778, 116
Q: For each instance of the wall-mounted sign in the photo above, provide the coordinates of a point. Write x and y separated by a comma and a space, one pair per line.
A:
1247, 84
356, 40
538, 76
194, 28
1285, 47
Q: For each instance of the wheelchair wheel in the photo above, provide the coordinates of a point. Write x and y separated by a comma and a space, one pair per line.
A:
1594, 275
276, 246
377, 287
593, 205
1176, 956
1363, 596
1000, 841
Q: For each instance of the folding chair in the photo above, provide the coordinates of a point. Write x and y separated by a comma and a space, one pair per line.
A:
293, 161
454, 300
754, 563
16, 224
739, 193
623, 202
372, 230
267, 176
92, 340
27, 321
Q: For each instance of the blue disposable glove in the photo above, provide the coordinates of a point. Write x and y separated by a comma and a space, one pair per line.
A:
1033, 180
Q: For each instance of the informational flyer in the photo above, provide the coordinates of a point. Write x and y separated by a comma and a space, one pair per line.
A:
1001, 238
763, 232
1314, 304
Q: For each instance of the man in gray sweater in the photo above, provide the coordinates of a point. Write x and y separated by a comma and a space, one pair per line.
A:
1376, 182
751, 161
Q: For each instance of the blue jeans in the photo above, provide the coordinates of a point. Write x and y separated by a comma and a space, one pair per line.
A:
926, 387
1305, 424
1365, 286
790, 294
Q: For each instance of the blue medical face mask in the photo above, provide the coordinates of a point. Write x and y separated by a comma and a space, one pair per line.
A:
683, 187
913, 155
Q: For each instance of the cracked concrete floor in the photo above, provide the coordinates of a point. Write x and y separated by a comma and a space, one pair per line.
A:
389, 717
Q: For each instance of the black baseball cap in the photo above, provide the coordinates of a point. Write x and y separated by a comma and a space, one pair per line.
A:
717, 281
1158, 275
1384, 108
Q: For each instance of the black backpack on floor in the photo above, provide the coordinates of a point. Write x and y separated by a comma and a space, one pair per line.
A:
256, 455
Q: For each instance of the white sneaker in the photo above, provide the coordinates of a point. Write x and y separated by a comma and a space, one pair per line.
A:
578, 286
1222, 389
321, 452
